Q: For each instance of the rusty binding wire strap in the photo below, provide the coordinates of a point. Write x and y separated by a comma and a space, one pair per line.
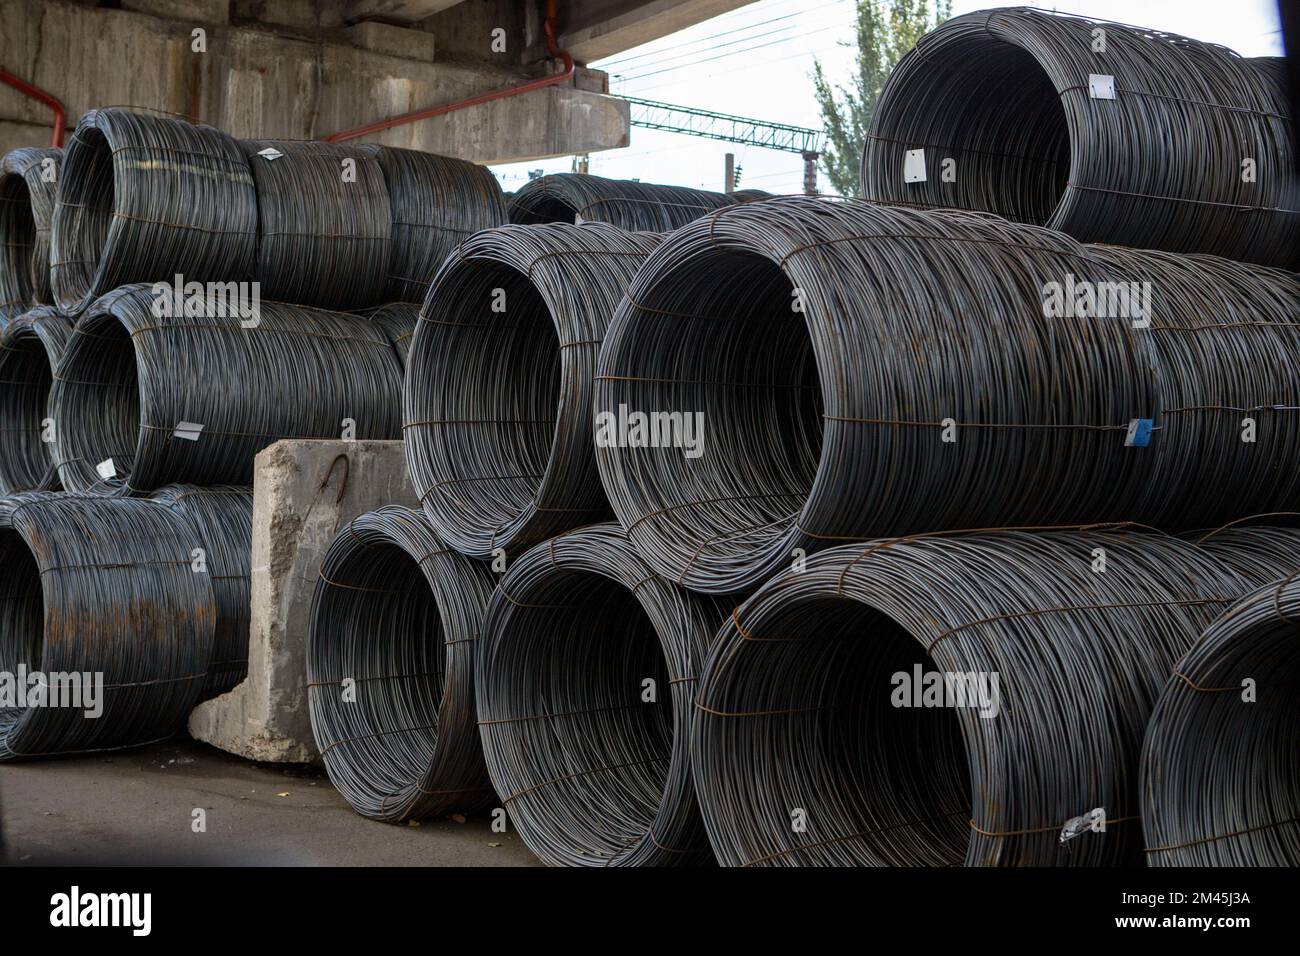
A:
1108, 132
586, 684
438, 202
324, 223
940, 700
637, 207
140, 400
795, 373
497, 404
145, 198
106, 629
1220, 781
29, 179
30, 348
395, 625
222, 521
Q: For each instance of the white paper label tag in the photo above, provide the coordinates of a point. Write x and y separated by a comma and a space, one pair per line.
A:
106, 469
270, 153
1101, 86
914, 166
190, 431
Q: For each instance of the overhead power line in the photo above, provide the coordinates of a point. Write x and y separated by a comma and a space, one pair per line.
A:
673, 49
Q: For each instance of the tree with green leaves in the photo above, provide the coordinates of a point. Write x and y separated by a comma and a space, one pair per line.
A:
884, 31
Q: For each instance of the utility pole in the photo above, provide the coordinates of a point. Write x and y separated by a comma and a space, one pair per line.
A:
810, 172
729, 177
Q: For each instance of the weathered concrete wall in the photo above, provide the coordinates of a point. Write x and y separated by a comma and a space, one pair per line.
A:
303, 492
255, 81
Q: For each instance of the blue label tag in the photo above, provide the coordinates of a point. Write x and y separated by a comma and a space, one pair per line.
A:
1139, 433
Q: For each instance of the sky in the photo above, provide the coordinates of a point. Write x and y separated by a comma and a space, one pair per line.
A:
757, 61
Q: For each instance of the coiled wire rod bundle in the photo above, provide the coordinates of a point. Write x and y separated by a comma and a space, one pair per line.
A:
1012, 113
586, 682
947, 699
497, 404
193, 398
1227, 343
146, 198
222, 520
1251, 548
395, 625
1220, 780
324, 223
30, 348
29, 179
100, 589
637, 207
398, 320
862, 370
438, 202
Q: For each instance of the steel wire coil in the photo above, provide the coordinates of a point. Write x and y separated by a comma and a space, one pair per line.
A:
1004, 100
28, 182
811, 746
586, 683
324, 223
222, 521
130, 381
497, 405
634, 206
100, 586
398, 320
30, 348
438, 202
1255, 551
399, 616
867, 371
146, 198
1220, 780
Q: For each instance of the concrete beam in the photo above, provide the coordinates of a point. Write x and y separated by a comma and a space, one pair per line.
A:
539, 125
301, 497
199, 11
255, 82
594, 29
394, 11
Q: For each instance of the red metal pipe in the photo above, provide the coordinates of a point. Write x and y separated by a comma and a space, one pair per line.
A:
552, 48
36, 93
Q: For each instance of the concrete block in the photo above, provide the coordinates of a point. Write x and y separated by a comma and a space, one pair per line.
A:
308, 15
393, 41
303, 492
398, 11
196, 11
